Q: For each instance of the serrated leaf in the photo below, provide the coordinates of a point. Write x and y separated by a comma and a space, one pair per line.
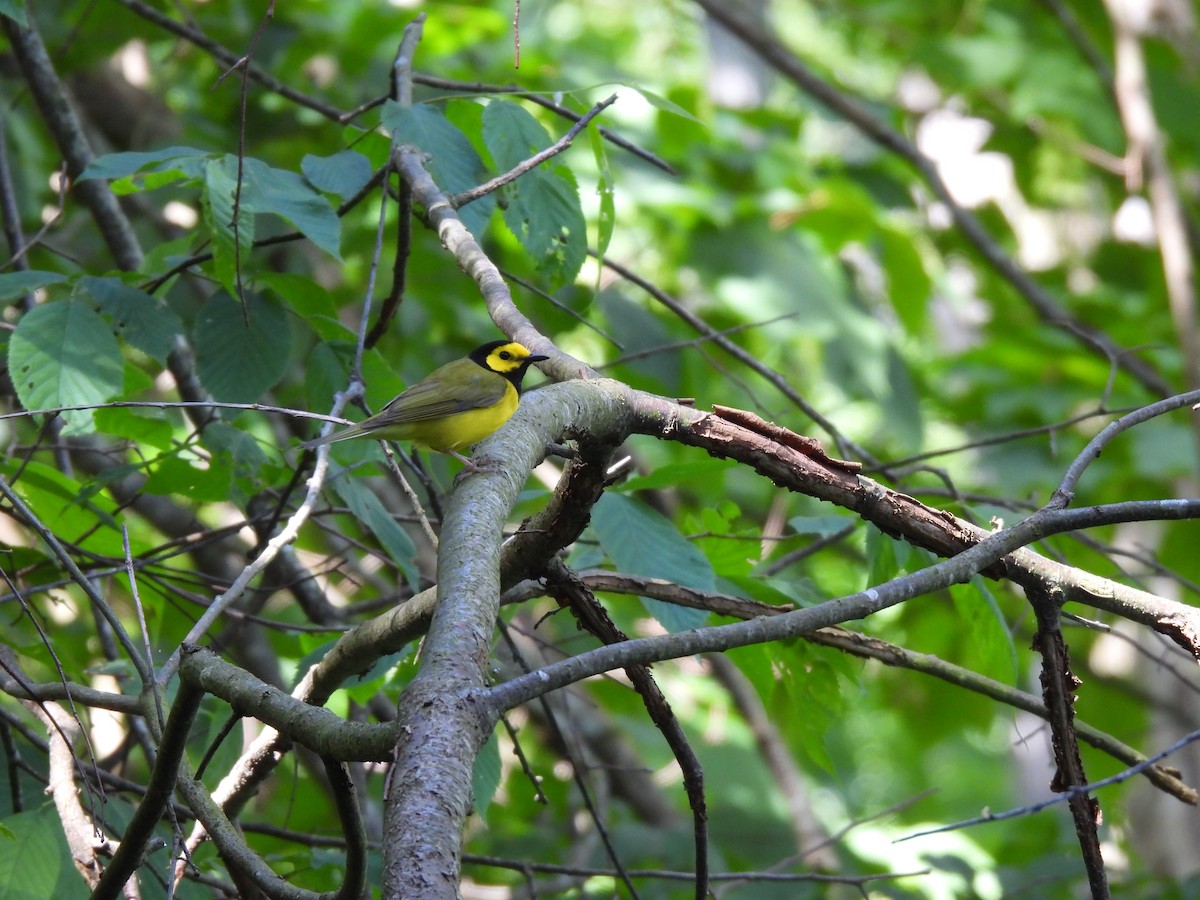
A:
543, 209
343, 174
511, 134
545, 216
14, 284
453, 162
239, 362
279, 192
63, 354
367, 508
139, 318
640, 541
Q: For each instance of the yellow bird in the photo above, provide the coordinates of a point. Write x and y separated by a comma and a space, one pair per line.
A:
453, 407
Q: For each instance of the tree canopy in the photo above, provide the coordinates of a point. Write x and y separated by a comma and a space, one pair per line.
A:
844, 546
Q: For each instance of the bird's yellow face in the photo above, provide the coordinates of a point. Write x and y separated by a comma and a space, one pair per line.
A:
507, 358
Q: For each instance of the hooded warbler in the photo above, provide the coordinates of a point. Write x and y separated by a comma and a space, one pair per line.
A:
453, 407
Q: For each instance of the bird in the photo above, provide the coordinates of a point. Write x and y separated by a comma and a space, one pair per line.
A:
455, 406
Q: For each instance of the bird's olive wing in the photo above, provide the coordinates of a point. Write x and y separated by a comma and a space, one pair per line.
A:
434, 398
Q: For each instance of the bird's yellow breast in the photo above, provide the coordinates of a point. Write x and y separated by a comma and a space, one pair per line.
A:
459, 430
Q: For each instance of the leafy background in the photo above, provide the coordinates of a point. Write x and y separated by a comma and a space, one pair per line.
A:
823, 256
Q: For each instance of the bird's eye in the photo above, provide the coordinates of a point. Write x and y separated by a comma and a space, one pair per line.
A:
504, 354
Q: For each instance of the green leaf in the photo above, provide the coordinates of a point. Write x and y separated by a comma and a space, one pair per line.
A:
606, 189
146, 426
909, 285
139, 318
239, 362
512, 135
220, 185
765, 590
14, 284
660, 102
991, 650
708, 470
807, 683
821, 526
367, 508
36, 863
343, 174
285, 194
325, 374
304, 296
453, 162
239, 453
183, 162
188, 477
15, 10
485, 776
66, 503
366, 686
63, 354
543, 210
640, 541
883, 557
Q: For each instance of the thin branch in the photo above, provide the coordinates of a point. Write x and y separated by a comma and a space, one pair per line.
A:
402, 94
566, 588
229, 58
141, 664
1048, 308
1146, 156
459, 200
578, 773
796, 623
157, 798
270, 550
63, 122
868, 647
473, 88
1065, 492
1080, 790
776, 379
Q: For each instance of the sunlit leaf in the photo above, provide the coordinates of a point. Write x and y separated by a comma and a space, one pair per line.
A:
63, 354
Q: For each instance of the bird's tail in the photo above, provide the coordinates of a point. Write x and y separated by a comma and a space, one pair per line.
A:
346, 433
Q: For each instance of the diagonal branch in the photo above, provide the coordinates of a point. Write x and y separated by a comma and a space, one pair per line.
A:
1048, 308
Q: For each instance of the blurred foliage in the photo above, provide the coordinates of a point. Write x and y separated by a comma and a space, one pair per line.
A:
820, 254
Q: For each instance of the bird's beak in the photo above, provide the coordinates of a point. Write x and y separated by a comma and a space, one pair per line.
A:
535, 357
